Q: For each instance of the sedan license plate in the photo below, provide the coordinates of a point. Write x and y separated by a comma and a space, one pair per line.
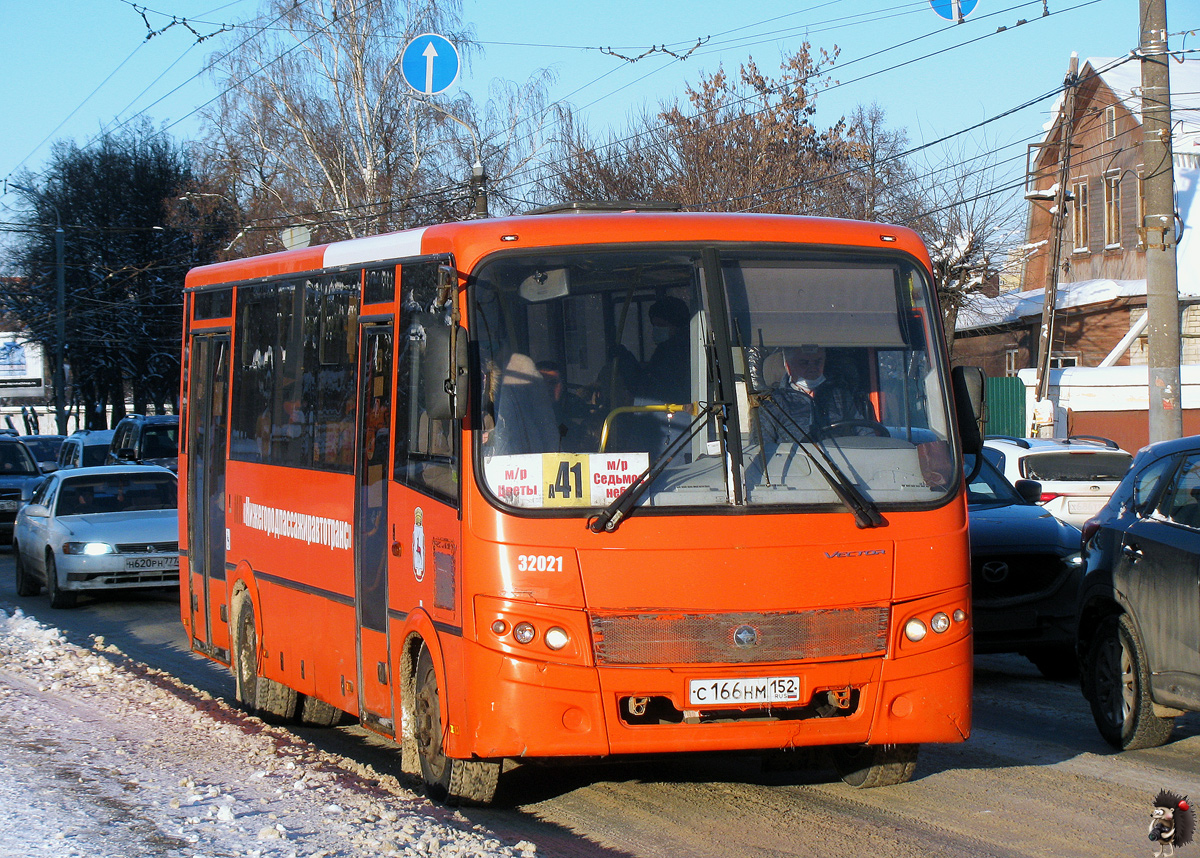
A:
733, 692
137, 564
9, 505
1085, 507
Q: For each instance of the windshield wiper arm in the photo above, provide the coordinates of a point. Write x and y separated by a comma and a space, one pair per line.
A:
609, 519
866, 512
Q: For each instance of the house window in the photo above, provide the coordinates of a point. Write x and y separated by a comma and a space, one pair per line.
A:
1079, 220
1061, 361
1012, 361
1112, 210
1110, 122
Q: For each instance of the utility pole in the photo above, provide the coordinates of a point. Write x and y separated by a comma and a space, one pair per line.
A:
1162, 284
1044, 409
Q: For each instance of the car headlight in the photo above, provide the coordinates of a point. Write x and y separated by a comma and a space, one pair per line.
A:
1073, 561
88, 548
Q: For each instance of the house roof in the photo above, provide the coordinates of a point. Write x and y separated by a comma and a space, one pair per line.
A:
1124, 78
1123, 75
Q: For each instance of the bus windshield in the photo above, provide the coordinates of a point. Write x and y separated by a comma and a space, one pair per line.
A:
796, 371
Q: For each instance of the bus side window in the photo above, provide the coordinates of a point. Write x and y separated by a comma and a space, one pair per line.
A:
427, 450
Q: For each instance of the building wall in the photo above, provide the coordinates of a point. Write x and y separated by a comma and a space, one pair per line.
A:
1094, 155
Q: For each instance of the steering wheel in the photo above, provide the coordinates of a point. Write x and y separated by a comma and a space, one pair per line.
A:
846, 427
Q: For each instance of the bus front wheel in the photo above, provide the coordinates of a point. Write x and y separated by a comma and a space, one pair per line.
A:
260, 696
867, 766
448, 780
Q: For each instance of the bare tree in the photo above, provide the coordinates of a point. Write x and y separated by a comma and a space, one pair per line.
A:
972, 221
749, 143
317, 127
880, 182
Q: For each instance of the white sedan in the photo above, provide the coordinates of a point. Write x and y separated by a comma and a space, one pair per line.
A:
112, 527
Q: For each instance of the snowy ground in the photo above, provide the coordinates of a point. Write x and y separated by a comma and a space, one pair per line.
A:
101, 757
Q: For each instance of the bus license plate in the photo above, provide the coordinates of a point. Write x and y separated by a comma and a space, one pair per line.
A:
732, 692
9, 505
133, 564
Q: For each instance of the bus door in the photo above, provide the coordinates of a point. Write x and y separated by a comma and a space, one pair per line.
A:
372, 543
208, 422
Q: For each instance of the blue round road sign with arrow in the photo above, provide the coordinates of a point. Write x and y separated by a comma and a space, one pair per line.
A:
953, 10
430, 64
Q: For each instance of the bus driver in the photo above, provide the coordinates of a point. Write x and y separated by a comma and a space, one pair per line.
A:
805, 397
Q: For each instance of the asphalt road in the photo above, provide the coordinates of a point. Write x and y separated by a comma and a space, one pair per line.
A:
1035, 779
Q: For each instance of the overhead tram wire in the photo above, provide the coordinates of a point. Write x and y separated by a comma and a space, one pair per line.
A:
78, 107
144, 110
636, 137
907, 153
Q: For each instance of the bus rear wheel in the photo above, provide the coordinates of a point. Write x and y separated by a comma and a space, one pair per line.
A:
868, 766
258, 695
317, 713
447, 780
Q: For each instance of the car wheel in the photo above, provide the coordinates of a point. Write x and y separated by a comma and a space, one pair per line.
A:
447, 780
1055, 662
27, 585
868, 766
58, 598
1120, 689
258, 695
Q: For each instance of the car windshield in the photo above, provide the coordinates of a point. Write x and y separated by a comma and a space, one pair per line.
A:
116, 493
989, 486
17, 461
1068, 466
594, 362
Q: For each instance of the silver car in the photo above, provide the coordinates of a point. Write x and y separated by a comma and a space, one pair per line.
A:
112, 527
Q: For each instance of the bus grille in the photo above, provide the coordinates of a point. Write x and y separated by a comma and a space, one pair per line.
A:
674, 638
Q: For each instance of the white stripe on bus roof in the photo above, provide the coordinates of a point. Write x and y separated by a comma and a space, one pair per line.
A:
392, 245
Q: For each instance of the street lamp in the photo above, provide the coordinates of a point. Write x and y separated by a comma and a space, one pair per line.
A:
60, 325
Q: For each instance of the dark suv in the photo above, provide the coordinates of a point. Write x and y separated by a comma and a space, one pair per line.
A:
1139, 615
19, 476
146, 440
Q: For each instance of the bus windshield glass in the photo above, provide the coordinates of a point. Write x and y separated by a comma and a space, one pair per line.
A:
597, 365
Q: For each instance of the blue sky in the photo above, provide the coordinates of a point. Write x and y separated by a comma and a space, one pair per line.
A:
75, 67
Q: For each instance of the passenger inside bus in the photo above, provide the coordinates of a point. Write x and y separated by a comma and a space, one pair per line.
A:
804, 396
665, 376
525, 420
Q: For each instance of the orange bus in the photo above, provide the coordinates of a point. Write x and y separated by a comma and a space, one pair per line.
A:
583, 485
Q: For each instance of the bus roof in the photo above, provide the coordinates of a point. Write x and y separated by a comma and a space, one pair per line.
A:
471, 240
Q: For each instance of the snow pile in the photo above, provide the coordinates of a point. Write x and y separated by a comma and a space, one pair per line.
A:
106, 758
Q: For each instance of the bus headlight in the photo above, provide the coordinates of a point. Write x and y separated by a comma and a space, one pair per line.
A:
940, 622
915, 630
524, 632
556, 638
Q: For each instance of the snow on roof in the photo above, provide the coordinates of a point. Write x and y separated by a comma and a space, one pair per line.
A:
1123, 75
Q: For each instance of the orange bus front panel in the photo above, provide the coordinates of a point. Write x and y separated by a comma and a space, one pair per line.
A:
521, 708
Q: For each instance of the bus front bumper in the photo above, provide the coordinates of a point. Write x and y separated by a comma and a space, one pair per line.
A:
533, 709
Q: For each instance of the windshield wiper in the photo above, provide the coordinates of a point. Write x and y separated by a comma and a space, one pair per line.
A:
611, 517
866, 512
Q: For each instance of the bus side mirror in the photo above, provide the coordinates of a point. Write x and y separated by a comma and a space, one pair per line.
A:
969, 405
444, 370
